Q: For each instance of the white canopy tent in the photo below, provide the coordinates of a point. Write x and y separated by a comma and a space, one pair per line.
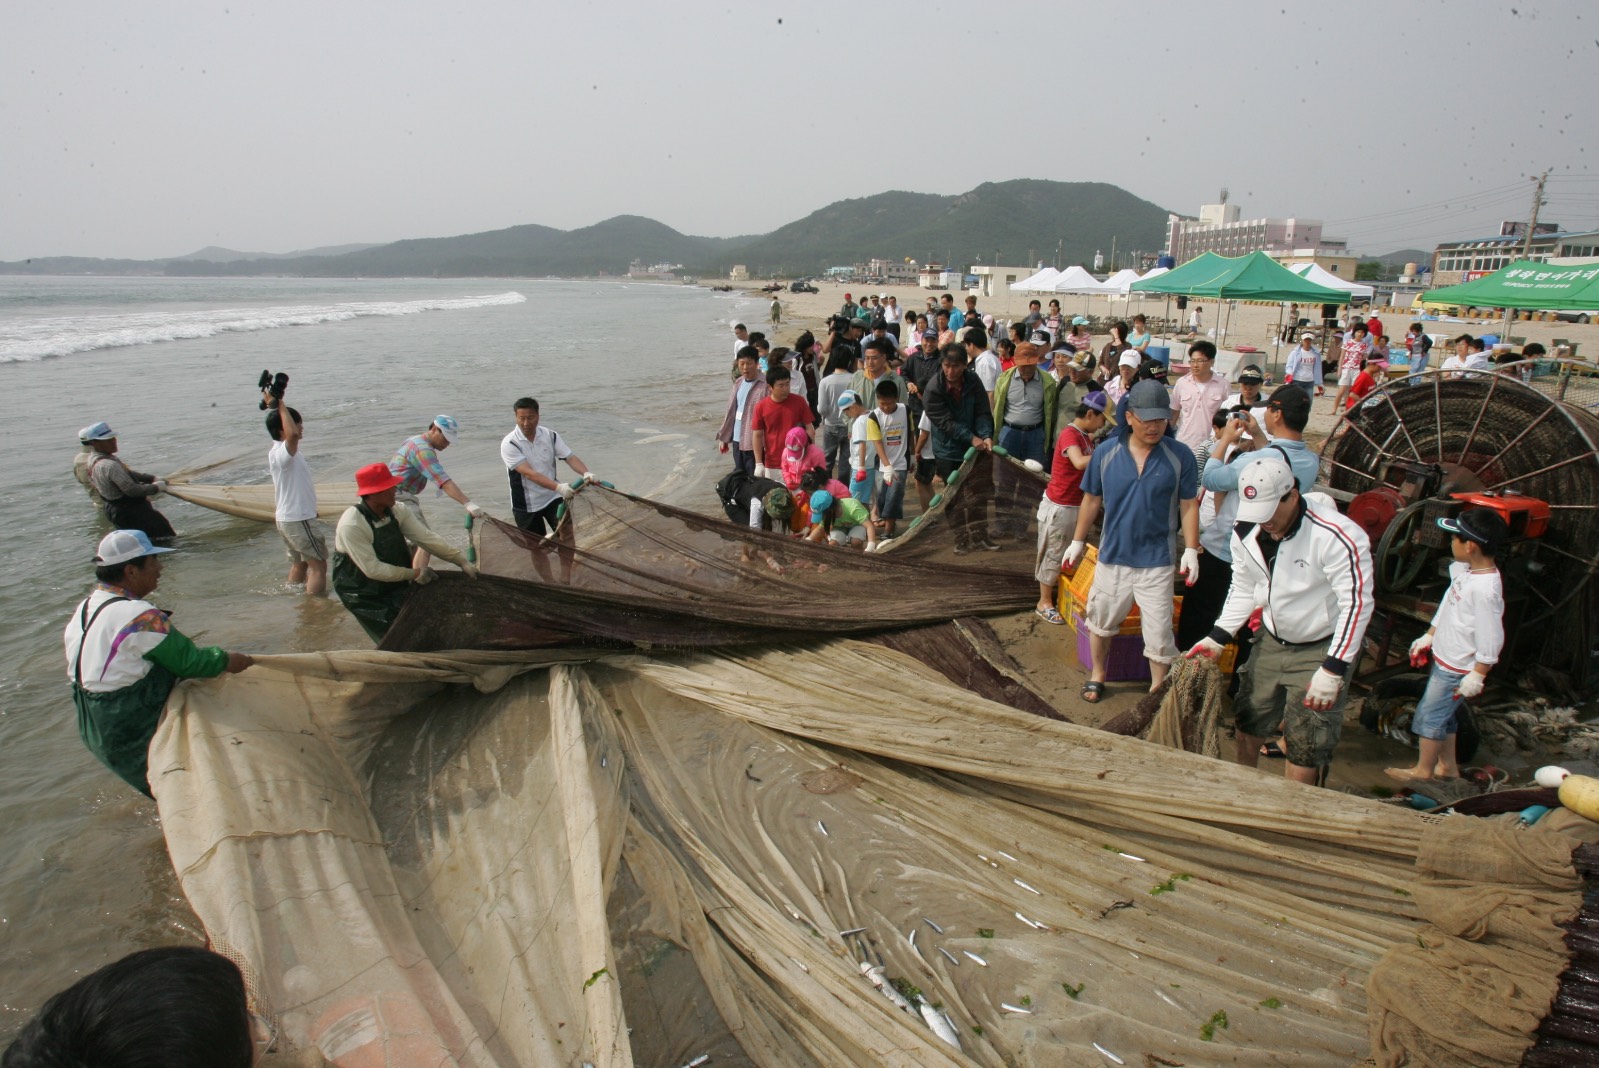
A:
1042, 282
1076, 280
1120, 282
1313, 272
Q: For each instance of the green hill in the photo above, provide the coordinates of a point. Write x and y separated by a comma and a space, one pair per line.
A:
1021, 220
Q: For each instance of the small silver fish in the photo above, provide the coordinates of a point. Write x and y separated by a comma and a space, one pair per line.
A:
950, 956
938, 1023
1008, 857
801, 964
851, 931
1162, 995
933, 925
1034, 924
975, 957
1115, 1059
985, 860
1024, 886
703, 1058
820, 826
1129, 856
1015, 1008
606, 760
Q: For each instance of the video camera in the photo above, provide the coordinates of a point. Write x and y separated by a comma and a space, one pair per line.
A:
276, 385
838, 324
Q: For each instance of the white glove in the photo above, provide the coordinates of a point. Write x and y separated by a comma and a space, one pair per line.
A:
1207, 647
592, 478
566, 491
1418, 649
160, 484
469, 569
1323, 690
424, 576
476, 511
1470, 685
1074, 554
762, 472
1189, 568
888, 476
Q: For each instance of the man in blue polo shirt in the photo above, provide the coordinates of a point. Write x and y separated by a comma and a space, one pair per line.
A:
1147, 486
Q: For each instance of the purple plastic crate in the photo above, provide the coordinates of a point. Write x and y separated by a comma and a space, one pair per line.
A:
1126, 662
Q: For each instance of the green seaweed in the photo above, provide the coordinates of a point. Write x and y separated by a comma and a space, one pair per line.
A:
1271, 1003
595, 977
985, 932
907, 989
1207, 1031
1073, 991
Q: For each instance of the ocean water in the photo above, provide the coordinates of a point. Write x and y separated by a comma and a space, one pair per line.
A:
633, 376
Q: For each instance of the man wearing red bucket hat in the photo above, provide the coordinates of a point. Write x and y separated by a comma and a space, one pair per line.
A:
372, 569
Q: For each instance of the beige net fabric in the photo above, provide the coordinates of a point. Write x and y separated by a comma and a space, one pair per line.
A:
520, 859
258, 502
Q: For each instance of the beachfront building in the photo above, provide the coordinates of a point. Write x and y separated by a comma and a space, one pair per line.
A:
660, 272
996, 281
932, 276
1219, 228
890, 272
1330, 260
1454, 262
739, 273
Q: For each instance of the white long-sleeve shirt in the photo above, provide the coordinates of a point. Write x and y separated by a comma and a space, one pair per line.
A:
1469, 625
353, 538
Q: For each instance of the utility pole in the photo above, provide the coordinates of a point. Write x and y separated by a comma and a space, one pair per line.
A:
1058, 243
1532, 224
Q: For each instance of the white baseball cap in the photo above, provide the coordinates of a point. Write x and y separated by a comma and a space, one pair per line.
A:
1129, 358
448, 427
1262, 487
120, 546
100, 431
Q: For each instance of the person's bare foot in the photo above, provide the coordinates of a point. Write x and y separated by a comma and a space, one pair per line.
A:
1407, 774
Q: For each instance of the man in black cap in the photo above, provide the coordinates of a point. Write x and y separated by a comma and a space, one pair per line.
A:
1248, 393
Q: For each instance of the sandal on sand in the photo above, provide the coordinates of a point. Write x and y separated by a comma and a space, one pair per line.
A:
1049, 615
1273, 750
1093, 692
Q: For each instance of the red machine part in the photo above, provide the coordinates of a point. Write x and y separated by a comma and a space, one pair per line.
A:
1527, 517
1374, 509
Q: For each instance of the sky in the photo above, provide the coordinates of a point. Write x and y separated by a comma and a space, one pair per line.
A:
153, 129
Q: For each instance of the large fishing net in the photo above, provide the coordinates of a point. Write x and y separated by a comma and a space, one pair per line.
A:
692, 818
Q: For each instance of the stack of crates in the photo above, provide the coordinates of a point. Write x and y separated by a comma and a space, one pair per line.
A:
1126, 661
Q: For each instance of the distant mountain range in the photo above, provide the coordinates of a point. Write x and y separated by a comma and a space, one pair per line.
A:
1020, 222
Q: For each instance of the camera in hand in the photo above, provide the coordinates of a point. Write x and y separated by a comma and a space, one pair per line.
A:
276, 385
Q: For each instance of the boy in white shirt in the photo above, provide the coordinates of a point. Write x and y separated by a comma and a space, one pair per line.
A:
891, 445
862, 452
925, 462
295, 495
1465, 639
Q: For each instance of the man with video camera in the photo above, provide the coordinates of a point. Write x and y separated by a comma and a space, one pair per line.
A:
293, 490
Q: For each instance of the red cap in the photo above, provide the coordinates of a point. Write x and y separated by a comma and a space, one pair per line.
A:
375, 478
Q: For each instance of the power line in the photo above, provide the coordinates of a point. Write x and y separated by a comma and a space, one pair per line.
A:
1454, 203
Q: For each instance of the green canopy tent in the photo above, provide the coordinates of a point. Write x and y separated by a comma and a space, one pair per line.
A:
1253, 277
1526, 285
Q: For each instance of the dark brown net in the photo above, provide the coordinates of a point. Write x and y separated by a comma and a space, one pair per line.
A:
638, 572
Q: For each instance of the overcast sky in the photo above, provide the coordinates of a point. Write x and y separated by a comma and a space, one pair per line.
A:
151, 129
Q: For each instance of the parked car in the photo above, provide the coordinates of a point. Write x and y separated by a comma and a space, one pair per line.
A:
802, 286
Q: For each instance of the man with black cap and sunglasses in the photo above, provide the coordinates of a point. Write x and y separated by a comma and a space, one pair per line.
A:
1309, 569
124, 656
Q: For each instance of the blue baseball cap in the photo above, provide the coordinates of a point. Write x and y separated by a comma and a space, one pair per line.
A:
821, 501
448, 426
1097, 401
120, 546
848, 398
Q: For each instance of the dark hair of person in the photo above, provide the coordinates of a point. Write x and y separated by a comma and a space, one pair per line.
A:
839, 360
274, 422
1083, 409
1219, 420
952, 354
738, 326
174, 1007
944, 316
977, 337
1533, 351
1478, 344
778, 373
1205, 349
115, 573
1140, 319
877, 345
804, 342
1118, 332
1293, 403
1033, 304
760, 344
1018, 332
748, 352
1467, 338
756, 337
1005, 347
814, 479
888, 388
528, 404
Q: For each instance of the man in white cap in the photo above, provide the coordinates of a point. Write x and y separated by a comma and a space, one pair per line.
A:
1148, 488
416, 463
125, 493
1309, 569
124, 656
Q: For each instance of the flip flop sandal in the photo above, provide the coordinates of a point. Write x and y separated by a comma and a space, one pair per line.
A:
1049, 615
1093, 692
1273, 750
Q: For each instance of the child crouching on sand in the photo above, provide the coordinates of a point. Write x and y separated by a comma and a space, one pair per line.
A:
1464, 640
841, 520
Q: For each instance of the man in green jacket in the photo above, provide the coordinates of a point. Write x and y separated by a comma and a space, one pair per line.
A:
124, 656
372, 569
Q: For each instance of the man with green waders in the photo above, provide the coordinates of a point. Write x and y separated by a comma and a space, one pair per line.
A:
124, 656
372, 569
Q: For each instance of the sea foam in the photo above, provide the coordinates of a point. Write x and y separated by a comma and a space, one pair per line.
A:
39, 339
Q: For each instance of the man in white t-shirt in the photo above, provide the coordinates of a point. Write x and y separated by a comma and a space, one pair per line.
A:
295, 495
530, 453
984, 362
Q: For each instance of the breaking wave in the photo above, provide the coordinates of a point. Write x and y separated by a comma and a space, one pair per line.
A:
39, 339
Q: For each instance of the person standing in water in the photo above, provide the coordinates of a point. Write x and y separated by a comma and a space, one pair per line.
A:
125, 493
416, 463
295, 496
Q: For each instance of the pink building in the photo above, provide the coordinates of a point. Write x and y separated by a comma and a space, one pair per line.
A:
1219, 229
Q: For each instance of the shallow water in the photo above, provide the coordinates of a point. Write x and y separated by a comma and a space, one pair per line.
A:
633, 376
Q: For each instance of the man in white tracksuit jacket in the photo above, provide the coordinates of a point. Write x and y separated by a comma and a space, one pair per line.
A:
1309, 569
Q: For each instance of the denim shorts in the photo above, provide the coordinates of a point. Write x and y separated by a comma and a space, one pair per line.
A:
1434, 718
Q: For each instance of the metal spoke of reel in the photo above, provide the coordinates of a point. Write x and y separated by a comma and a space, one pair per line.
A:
1399, 557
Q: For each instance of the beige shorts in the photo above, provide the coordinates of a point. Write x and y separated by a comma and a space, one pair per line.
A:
303, 541
1347, 376
1117, 588
1056, 525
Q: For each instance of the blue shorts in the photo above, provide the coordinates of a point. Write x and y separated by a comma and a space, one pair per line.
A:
1435, 712
891, 498
862, 490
